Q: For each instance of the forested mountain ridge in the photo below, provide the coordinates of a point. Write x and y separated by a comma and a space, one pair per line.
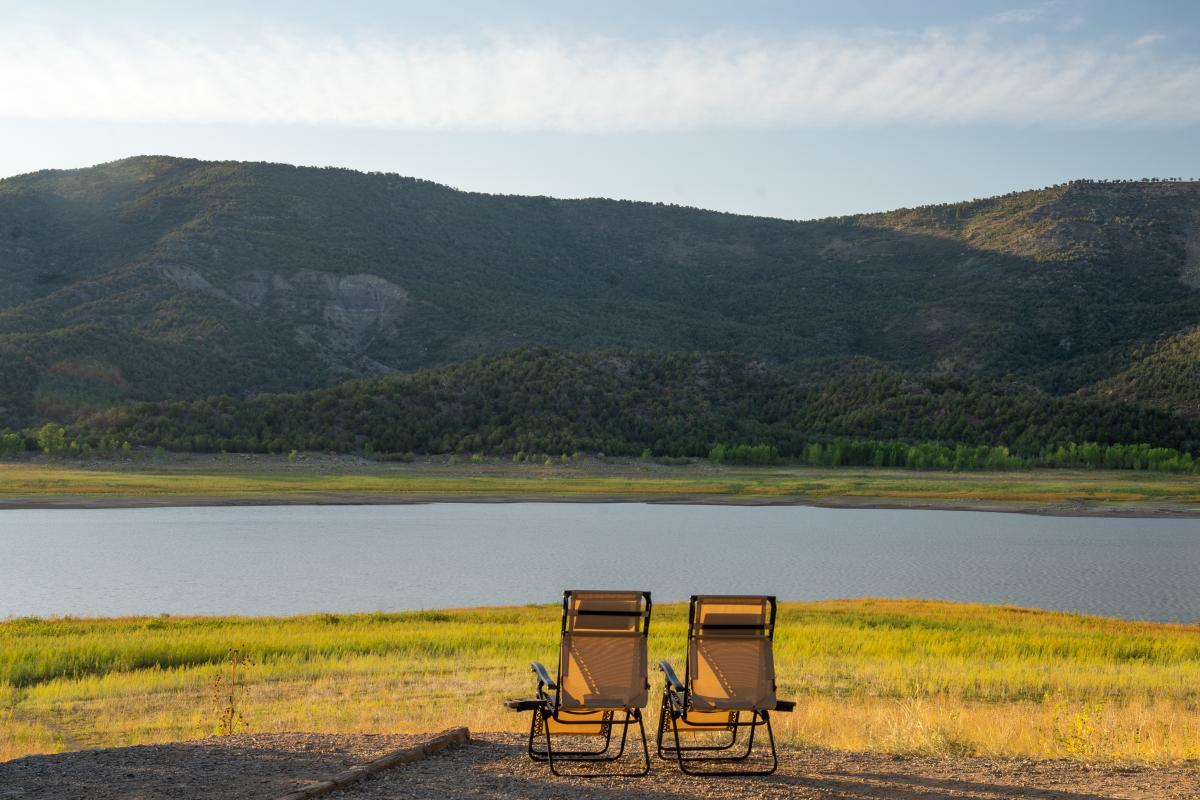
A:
161, 278
1070, 222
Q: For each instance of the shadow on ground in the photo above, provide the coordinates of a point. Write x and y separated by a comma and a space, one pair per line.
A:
495, 766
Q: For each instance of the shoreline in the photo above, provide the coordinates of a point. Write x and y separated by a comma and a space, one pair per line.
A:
1127, 509
671, 605
328, 479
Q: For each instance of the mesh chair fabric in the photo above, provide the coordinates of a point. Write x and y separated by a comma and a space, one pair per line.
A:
731, 663
602, 658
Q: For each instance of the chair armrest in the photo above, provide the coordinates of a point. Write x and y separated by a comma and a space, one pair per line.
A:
786, 706
668, 671
529, 704
543, 676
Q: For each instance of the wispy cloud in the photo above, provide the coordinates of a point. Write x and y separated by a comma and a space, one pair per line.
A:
597, 85
1018, 16
1149, 39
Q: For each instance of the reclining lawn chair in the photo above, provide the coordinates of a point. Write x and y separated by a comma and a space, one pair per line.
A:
728, 686
601, 674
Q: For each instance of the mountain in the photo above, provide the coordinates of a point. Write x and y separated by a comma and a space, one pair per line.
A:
157, 278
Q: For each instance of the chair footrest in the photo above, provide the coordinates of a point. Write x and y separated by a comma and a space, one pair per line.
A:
527, 704
785, 705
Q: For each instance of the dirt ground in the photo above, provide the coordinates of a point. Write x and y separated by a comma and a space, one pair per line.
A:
495, 766
242, 766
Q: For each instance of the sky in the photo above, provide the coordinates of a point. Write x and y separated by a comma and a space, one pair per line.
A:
785, 109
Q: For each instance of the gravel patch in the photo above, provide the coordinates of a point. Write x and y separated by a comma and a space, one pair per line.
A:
250, 766
495, 766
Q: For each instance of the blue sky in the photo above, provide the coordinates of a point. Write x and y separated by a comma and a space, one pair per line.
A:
783, 109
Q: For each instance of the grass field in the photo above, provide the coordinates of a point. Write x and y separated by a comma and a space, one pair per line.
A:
884, 675
265, 479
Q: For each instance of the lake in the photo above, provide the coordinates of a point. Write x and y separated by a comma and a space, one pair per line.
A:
295, 559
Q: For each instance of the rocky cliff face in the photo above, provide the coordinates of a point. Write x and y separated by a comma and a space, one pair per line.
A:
338, 317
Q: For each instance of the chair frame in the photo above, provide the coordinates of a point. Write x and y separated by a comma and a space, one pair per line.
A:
547, 708
676, 705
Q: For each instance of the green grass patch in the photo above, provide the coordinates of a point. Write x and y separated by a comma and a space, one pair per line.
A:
869, 674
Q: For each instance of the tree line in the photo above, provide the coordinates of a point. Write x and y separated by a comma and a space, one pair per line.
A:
960, 457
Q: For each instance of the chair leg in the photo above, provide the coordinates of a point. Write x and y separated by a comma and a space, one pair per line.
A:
645, 748
630, 717
533, 718
664, 720
549, 748
684, 763
669, 752
577, 755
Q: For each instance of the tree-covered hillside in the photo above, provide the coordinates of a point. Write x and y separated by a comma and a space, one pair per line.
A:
1164, 375
544, 401
160, 278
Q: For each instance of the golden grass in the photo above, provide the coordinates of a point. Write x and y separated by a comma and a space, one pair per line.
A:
266, 479
883, 675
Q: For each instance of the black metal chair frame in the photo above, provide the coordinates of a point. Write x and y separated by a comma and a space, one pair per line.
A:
676, 703
547, 707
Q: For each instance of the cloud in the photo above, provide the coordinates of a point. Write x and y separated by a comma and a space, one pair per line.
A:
1018, 16
596, 85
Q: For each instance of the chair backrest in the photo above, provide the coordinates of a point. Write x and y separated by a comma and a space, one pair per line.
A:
602, 657
730, 660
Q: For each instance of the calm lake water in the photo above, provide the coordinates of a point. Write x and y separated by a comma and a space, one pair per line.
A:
293, 559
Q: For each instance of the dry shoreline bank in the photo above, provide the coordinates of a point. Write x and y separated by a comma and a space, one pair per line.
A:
151, 481
1126, 510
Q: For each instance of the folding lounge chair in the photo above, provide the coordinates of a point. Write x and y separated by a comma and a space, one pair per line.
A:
728, 687
601, 684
